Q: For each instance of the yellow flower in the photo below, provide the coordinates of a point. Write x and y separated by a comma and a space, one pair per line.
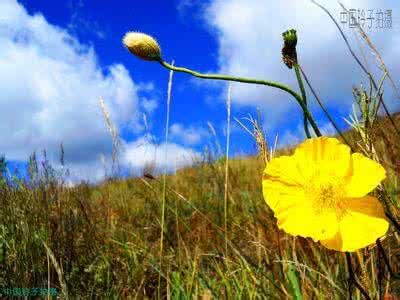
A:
321, 192
142, 45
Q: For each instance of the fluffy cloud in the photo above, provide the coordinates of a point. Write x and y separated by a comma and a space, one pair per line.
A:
149, 105
188, 135
297, 135
143, 154
50, 87
250, 41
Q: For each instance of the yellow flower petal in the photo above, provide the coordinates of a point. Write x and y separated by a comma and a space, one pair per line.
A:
302, 220
281, 179
363, 223
323, 156
318, 193
284, 193
284, 168
364, 175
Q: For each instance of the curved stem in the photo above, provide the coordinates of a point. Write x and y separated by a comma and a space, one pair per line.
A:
251, 81
304, 96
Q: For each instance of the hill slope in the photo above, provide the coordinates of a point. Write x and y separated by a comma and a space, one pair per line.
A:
104, 241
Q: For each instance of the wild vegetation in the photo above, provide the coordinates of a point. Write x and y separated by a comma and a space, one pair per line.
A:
104, 240
202, 233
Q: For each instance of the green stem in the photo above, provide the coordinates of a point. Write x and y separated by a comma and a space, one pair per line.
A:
328, 115
251, 81
304, 96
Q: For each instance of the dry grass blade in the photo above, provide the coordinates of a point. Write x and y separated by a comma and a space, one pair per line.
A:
113, 132
214, 134
228, 133
164, 192
375, 51
258, 135
368, 73
59, 271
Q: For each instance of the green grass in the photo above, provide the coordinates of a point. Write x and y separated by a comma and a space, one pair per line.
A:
103, 240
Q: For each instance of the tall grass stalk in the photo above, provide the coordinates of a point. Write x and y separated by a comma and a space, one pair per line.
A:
114, 135
164, 191
59, 270
228, 133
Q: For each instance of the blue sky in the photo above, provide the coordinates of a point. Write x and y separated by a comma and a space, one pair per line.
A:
187, 41
61, 56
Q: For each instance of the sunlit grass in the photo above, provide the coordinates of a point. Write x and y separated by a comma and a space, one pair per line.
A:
204, 232
106, 239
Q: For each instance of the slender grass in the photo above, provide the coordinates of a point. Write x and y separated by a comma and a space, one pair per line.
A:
104, 240
228, 134
114, 135
368, 73
164, 193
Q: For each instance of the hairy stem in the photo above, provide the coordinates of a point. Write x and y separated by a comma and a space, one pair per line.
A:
328, 115
251, 81
304, 96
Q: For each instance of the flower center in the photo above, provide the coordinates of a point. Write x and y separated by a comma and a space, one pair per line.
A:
326, 196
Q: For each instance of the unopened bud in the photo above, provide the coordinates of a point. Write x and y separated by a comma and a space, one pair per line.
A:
289, 48
142, 45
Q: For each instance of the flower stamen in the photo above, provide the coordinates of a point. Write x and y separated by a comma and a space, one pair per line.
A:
326, 196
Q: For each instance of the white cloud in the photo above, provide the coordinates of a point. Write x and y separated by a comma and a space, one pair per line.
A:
291, 137
149, 105
50, 87
191, 135
297, 135
83, 23
142, 154
250, 41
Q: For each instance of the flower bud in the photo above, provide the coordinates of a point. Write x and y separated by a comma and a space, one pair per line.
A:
289, 52
142, 45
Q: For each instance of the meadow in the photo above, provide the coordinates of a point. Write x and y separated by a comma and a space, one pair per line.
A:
204, 232
103, 241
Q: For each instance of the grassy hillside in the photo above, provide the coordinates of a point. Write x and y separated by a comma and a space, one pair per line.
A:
105, 240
